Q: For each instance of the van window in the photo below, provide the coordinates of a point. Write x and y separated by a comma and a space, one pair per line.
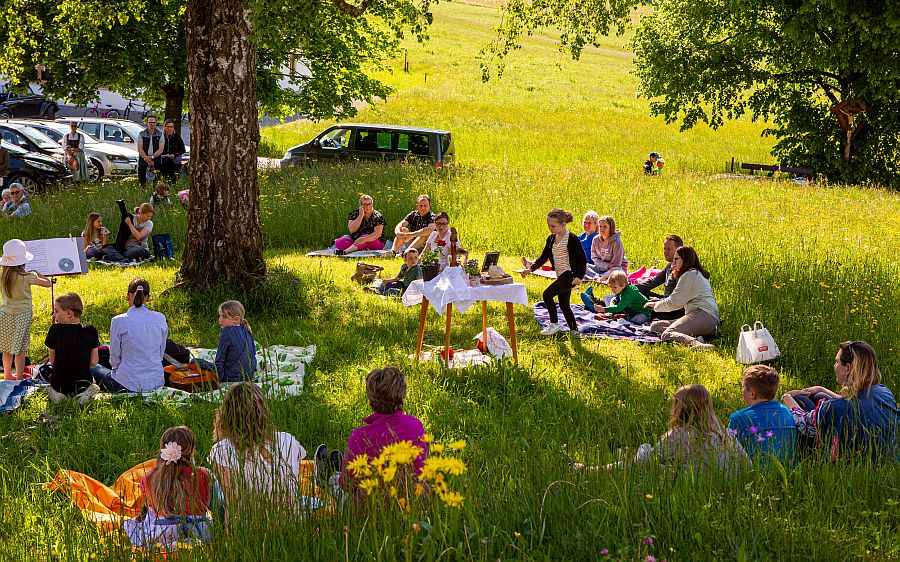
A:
335, 140
417, 144
376, 141
446, 144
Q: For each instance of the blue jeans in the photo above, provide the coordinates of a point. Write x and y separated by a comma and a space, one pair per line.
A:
130, 253
104, 379
808, 403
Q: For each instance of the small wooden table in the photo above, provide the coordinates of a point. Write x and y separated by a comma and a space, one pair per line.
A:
510, 321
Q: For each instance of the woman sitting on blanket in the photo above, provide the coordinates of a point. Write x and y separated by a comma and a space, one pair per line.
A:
694, 294
366, 226
253, 462
607, 250
137, 341
177, 496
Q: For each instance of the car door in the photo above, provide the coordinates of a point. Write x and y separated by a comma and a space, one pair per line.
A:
375, 144
89, 128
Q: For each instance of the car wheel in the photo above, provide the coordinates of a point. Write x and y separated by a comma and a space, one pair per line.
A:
50, 111
97, 174
5, 114
29, 185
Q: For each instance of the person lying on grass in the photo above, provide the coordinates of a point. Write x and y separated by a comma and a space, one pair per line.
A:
696, 439
137, 341
72, 349
236, 352
861, 421
366, 226
178, 495
627, 300
765, 428
254, 463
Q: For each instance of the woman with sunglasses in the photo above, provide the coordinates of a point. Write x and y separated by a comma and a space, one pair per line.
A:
861, 420
18, 207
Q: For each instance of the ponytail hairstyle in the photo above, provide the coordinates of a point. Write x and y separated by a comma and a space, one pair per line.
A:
140, 288
560, 216
90, 231
863, 364
235, 310
10, 272
170, 488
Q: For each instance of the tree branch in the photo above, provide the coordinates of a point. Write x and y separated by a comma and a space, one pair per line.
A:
350, 9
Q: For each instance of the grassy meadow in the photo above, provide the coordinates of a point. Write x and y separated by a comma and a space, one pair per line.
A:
818, 265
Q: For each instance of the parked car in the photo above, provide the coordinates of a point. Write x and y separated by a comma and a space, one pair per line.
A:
32, 140
121, 132
33, 170
26, 103
374, 142
111, 161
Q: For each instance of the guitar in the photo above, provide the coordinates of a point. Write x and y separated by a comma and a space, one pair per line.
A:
190, 377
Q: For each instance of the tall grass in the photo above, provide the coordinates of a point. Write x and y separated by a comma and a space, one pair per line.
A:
816, 264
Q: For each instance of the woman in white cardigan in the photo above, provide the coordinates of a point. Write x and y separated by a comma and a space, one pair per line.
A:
693, 293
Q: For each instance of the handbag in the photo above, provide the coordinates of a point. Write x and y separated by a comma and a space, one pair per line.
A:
366, 273
756, 344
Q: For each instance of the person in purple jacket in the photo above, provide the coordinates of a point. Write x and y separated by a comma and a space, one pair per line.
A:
386, 390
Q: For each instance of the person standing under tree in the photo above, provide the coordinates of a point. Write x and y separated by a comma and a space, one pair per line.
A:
150, 146
173, 150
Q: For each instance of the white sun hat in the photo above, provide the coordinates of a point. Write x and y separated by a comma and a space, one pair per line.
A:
14, 253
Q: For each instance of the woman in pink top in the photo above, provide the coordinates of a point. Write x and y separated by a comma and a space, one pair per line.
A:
386, 390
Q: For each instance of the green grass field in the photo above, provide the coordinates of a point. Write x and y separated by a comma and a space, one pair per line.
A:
816, 264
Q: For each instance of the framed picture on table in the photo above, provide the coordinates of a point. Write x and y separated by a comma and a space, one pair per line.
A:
490, 258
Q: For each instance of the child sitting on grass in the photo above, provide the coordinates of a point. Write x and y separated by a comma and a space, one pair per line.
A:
409, 272
765, 427
177, 496
628, 300
95, 236
236, 353
73, 351
160, 195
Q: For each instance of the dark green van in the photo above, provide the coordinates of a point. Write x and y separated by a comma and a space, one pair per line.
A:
374, 142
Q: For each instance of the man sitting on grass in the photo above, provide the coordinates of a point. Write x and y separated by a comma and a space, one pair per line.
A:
664, 278
414, 229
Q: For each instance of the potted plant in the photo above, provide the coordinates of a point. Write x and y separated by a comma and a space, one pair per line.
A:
430, 262
473, 270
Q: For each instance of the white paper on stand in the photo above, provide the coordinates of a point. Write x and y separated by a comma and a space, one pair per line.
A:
57, 256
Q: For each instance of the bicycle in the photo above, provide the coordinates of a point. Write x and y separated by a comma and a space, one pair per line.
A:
128, 109
95, 111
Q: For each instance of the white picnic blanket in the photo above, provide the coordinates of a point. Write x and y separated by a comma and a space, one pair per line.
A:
280, 374
451, 287
329, 252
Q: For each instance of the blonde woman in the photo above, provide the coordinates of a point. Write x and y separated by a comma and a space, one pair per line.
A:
590, 222
252, 460
862, 419
366, 226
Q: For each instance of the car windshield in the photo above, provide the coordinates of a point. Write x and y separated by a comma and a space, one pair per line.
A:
37, 137
13, 149
88, 138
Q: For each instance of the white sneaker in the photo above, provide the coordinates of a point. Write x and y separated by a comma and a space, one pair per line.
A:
704, 346
85, 396
553, 329
55, 397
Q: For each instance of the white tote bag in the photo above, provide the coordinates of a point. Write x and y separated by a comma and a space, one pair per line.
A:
756, 344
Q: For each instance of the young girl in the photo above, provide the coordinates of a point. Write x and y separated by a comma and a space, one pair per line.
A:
15, 309
160, 195
177, 496
95, 236
607, 250
236, 354
439, 240
589, 222
568, 260
251, 459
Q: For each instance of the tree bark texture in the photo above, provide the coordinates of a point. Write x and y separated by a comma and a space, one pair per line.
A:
174, 103
224, 238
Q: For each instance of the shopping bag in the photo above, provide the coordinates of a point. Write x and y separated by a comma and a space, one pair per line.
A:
756, 344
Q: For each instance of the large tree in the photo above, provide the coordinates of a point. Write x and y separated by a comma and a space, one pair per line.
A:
826, 73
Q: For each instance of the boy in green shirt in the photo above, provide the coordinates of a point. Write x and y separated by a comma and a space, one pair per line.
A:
628, 300
409, 272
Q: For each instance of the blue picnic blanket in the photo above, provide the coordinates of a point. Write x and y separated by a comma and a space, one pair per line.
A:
13, 393
619, 329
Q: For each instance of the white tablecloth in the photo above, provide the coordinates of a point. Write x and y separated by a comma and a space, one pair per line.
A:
451, 287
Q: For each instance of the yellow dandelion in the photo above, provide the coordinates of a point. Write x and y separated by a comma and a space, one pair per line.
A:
457, 445
452, 499
437, 448
388, 473
648, 496
452, 466
517, 534
428, 438
403, 452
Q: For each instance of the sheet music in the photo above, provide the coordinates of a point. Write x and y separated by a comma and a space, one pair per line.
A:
57, 256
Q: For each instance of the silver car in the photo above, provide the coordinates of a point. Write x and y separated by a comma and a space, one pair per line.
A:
110, 160
121, 132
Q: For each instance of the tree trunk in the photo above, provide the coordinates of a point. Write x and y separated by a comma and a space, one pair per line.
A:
224, 238
174, 103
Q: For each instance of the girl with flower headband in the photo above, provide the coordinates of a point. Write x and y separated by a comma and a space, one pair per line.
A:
177, 496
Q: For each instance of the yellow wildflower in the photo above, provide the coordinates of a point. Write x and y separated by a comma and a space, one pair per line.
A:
419, 490
457, 445
437, 448
648, 496
359, 466
388, 472
403, 452
416, 527
428, 438
369, 484
452, 466
452, 499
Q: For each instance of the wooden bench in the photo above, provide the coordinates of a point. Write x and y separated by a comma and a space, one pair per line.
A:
775, 168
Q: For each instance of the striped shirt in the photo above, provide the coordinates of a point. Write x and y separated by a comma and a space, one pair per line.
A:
561, 254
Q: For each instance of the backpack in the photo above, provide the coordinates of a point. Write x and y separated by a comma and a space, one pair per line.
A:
162, 246
366, 273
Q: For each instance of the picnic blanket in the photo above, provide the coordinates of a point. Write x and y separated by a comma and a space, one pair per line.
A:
637, 276
360, 254
618, 329
14, 393
279, 375
121, 263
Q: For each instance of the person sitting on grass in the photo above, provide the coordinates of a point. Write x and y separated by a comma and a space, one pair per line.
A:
590, 222
177, 496
414, 229
95, 236
665, 278
160, 195
862, 420
253, 462
694, 294
236, 353
388, 424
650, 165
72, 349
137, 341
607, 250
18, 207
5, 194
627, 300
696, 439
765, 428
135, 246
366, 226
409, 272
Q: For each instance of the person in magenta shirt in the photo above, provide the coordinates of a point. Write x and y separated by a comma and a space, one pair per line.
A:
386, 390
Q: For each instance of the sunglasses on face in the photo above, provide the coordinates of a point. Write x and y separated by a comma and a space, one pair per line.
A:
15, 193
